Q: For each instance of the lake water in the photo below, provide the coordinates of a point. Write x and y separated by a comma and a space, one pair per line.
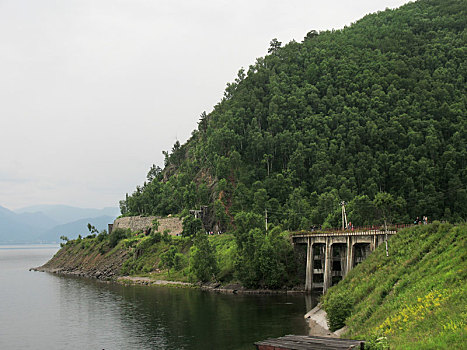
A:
45, 311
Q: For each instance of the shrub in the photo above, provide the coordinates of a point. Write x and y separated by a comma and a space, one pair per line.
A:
168, 258
191, 226
202, 259
166, 237
155, 225
102, 236
130, 242
116, 236
179, 261
103, 249
338, 307
156, 236
145, 243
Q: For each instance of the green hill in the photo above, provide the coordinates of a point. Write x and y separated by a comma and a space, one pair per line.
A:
414, 299
379, 106
374, 115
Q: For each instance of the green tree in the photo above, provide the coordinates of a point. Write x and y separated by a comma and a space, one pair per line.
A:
274, 46
92, 229
167, 259
361, 211
387, 207
203, 259
245, 222
117, 235
191, 226
376, 107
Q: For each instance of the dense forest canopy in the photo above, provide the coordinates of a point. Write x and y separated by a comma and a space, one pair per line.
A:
345, 115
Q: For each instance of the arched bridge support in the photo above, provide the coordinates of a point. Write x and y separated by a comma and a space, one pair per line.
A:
330, 256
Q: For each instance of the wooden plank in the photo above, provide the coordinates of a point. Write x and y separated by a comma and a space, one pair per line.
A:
296, 342
312, 338
292, 346
346, 343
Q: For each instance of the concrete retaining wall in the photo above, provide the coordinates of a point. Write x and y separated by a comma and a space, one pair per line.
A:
135, 223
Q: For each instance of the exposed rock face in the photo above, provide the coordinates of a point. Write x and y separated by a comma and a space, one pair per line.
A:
135, 223
72, 260
91, 262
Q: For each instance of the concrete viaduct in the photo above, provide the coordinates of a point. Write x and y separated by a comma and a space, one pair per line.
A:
330, 256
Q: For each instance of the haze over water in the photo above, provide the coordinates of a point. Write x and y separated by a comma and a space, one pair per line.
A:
45, 311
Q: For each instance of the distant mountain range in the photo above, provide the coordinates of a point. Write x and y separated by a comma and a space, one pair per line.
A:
46, 223
75, 228
63, 214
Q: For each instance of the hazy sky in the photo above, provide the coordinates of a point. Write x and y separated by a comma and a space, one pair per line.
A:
92, 91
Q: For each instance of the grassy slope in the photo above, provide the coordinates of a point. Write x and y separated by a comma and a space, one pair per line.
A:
145, 258
87, 257
414, 299
138, 255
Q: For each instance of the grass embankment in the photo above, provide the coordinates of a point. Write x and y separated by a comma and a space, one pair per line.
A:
169, 257
414, 299
156, 256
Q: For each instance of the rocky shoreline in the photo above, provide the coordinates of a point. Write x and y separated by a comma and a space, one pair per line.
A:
317, 321
212, 287
74, 261
104, 275
109, 275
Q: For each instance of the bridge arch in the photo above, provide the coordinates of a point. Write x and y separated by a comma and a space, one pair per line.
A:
330, 256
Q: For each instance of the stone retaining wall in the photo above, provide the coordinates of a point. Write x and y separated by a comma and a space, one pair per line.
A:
135, 223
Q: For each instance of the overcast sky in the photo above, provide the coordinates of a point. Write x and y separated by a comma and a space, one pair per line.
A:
92, 91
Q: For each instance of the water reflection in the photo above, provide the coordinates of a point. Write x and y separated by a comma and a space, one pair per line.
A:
177, 318
46, 311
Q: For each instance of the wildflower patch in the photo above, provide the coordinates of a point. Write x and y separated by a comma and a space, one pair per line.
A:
410, 314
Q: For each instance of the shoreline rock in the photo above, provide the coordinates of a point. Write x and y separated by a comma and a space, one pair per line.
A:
110, 276
318, 323
146, 281
105, 275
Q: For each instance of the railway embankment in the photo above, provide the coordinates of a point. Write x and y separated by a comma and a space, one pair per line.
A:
412, 299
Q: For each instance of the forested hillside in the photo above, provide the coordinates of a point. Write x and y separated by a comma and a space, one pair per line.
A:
377, 107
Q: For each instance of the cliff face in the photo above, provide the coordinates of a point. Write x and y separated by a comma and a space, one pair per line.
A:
78, 260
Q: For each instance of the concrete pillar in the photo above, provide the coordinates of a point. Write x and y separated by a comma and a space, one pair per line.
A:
309, 266
309, 302
327, 265
343, 260
349, 254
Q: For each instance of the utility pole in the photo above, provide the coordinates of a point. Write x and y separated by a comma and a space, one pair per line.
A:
344, 216
266, 218
386, 236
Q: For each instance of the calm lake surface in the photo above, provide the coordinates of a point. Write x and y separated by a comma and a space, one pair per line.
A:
44, 311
